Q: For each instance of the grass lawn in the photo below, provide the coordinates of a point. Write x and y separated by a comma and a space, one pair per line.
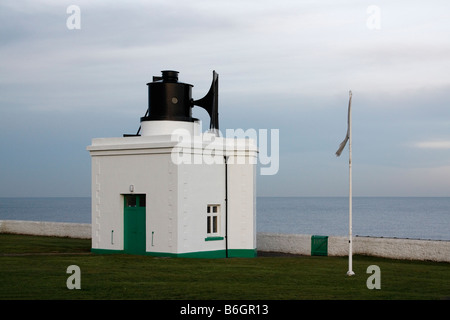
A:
34, 267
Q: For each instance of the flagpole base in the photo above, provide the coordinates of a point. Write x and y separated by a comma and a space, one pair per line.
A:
350, 273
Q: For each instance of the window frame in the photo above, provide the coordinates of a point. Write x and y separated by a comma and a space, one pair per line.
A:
213, 230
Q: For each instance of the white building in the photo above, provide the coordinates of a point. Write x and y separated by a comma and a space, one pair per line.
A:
173, 191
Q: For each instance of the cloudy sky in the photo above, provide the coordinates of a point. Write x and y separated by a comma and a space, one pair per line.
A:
285, 65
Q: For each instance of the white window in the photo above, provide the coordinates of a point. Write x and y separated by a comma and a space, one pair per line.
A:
212, 219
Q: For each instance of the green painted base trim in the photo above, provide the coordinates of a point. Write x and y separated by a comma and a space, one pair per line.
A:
242, 253
232, 253
214, 238
200, 254
106, 251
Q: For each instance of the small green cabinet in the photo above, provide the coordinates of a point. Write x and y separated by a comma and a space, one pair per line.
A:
319, 245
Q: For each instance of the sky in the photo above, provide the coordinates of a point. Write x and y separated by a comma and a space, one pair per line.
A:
69, 76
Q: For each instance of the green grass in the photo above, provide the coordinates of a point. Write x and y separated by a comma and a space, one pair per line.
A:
38, 271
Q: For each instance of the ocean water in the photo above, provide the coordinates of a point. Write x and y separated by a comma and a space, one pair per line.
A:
401, 217
76, 210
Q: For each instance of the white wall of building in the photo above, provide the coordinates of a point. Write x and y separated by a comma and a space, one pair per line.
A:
178, 188
152, 174
200, 185
241, 203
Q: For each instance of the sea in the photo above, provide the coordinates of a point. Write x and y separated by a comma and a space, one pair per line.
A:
398, 217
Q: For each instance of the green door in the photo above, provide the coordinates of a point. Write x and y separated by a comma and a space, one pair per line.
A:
134, 223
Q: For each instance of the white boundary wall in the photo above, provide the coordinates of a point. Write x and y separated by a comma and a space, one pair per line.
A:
41, 228
409, 249
395, 248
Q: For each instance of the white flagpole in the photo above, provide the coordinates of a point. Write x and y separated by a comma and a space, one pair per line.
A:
348, 138
350, 195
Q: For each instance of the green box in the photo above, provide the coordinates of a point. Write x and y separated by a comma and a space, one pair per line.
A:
319, 245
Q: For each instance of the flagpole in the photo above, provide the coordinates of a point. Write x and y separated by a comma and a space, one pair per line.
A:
348, 138
350, 195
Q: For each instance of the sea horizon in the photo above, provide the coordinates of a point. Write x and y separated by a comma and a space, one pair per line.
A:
413, 217
321, 196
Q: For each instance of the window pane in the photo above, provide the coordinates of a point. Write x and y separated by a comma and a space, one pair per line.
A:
130, 200
208, 225
215, 224
142, 200
214, 209
208, 209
